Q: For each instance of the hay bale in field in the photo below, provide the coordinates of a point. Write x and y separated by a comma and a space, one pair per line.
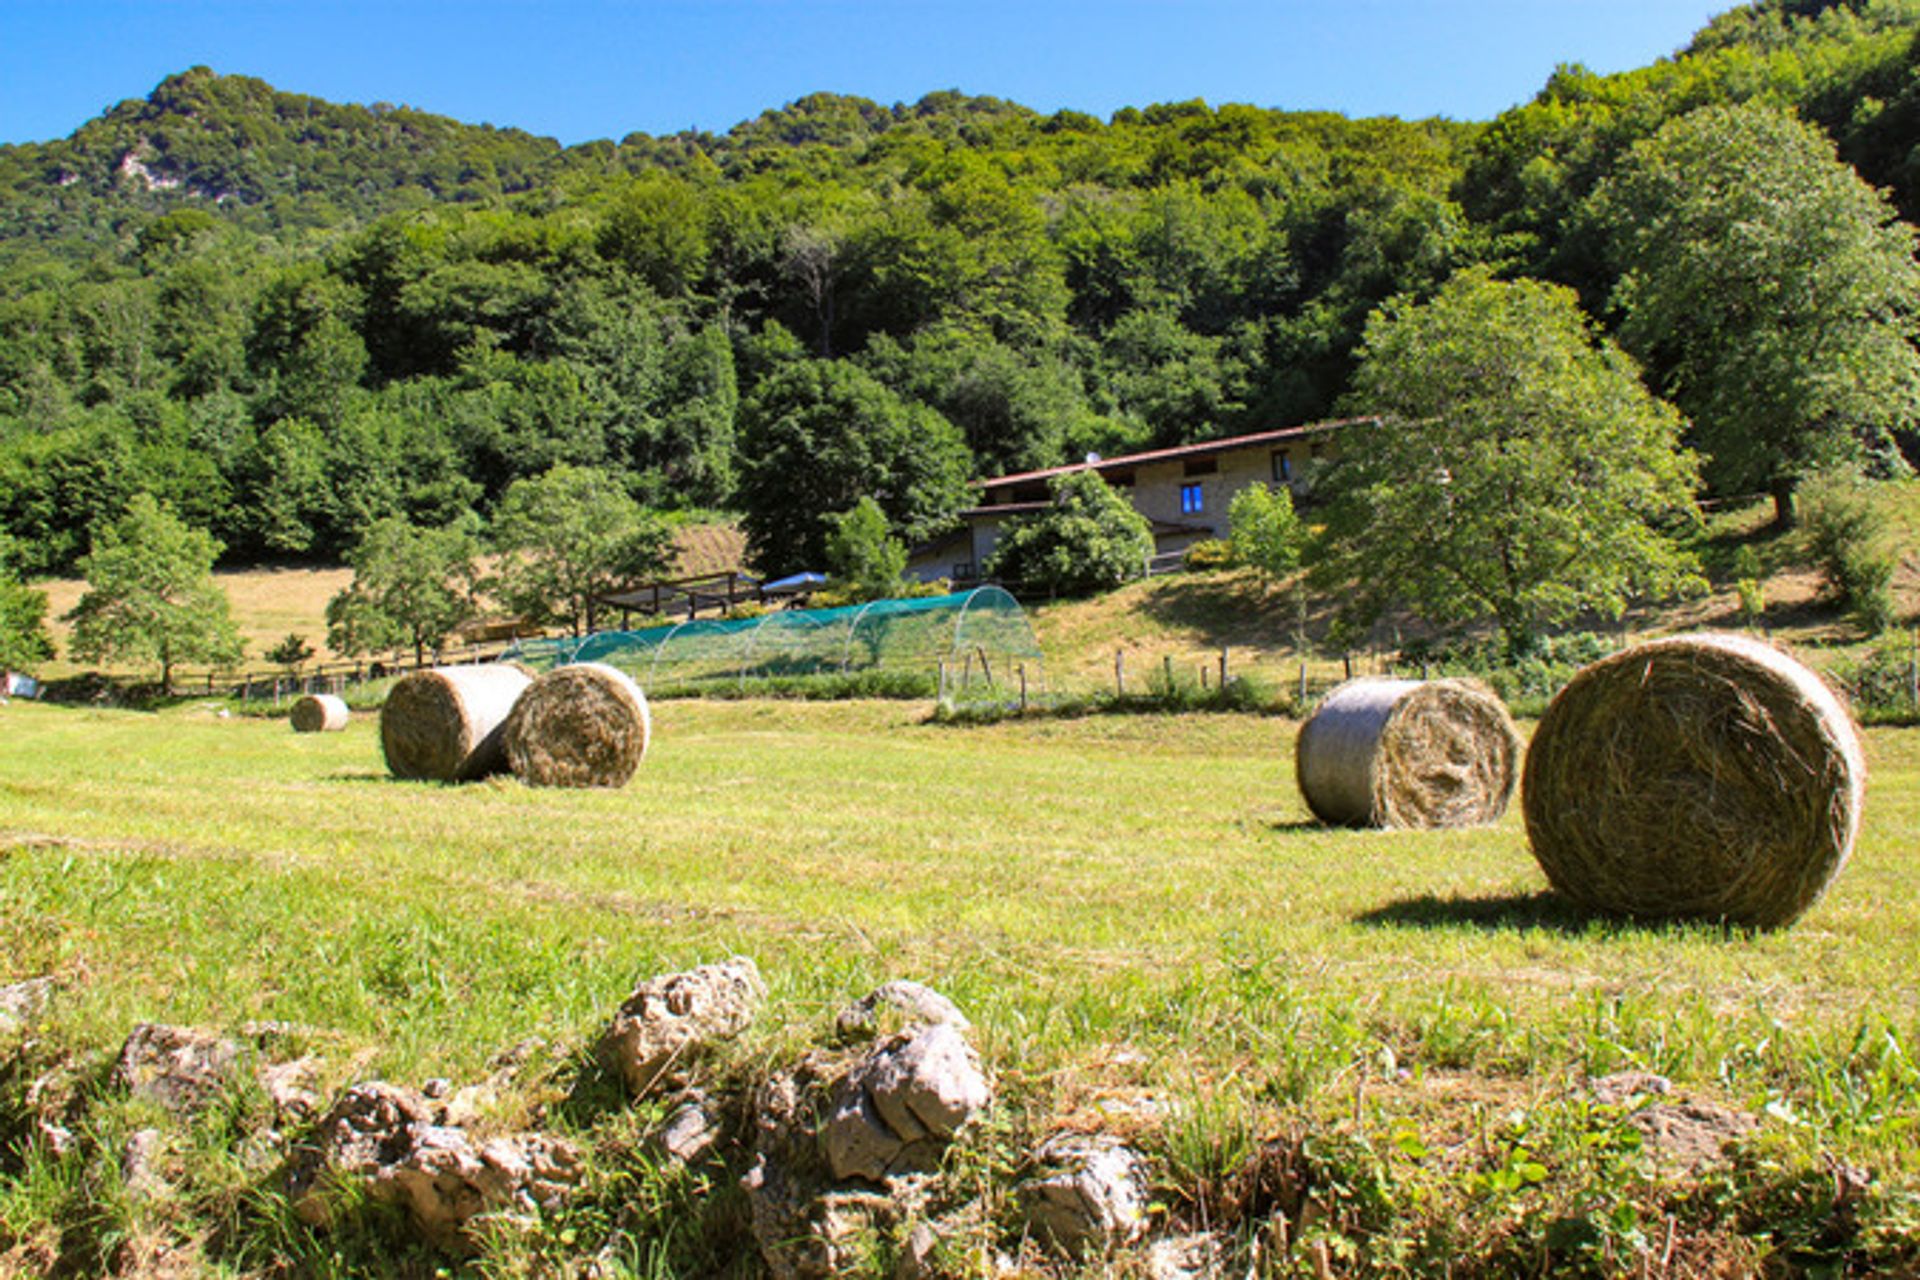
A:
1704, 776
445, 724
319, 713
585, 725
1408, 753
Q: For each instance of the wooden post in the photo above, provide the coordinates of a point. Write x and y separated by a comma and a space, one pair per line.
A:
1303, 686
986, 668
966, 673
1166, 665
943, 680
1023, 688
1223, 666
1120, 673
1203, 677
1346, 660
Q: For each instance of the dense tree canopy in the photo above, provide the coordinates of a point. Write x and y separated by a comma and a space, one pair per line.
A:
290, 319
411, 588
1519, 471
1770, 288
151, 595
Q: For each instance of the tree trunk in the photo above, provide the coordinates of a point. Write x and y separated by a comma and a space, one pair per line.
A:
1784, 516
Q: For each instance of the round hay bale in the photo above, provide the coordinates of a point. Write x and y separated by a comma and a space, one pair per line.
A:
1702, 776
1408, 753
445, 724
319, 713
585, 725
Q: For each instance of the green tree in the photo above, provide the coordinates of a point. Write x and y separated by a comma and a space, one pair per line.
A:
1770, 289
818, 436
151, 594
569, 537
1518, 471
1266, 535
411, 586
864, 559
1091, 539
292, 652
23, 617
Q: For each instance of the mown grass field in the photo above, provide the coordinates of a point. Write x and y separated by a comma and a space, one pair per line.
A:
1127, 907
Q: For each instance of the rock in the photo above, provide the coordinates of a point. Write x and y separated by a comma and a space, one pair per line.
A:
384, 1135
368, 1128
181, 1068
1622, 1087
1095, 1198
137, 1160
446, 1182
690, 1131
437, 1088
900, 1105
287, 1086
1692, 1133
22, 1003
669, 1022
916, 1260
915, 1004
1194, 1257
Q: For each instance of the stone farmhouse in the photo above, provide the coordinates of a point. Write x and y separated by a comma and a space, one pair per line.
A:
1183, 492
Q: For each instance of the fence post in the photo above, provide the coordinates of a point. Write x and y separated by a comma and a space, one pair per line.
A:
1166, 666
966, 672
1303, 685
1203, 677
986, 668
1223, 666
1023, 688
943, 679
1120, 673
1346, 660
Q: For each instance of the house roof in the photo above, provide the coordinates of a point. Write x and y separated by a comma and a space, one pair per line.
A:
1177, 453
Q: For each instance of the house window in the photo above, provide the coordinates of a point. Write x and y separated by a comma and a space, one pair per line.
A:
1192, 501
1282, 466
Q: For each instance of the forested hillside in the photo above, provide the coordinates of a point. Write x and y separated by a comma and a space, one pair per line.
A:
289, 318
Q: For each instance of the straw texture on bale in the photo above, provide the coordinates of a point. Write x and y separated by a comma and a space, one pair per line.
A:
585, 725
445, 724
1702, 776
319, 713
1408, 753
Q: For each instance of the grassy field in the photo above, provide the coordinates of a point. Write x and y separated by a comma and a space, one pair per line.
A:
1130, 909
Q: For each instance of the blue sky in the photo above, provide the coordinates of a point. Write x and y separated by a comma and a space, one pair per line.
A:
582, 69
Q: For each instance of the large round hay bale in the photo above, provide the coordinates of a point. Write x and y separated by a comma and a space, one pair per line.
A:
1703, 776
319, 713
585, 725
445, 724
1408, 753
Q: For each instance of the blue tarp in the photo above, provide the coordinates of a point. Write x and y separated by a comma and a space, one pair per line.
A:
795, 582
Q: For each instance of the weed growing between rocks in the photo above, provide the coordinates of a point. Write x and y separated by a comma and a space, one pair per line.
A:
687, 1140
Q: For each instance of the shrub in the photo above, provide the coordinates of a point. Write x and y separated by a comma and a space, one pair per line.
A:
1209, 553
1090, 540
1849, 539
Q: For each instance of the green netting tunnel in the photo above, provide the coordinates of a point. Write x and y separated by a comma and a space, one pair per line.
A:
983, 632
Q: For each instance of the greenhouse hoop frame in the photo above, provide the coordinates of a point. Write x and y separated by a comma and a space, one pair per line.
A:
918, 633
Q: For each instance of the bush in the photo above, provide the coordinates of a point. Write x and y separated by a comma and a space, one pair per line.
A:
1209, 553
1880, 681
1090, 540
1848, 537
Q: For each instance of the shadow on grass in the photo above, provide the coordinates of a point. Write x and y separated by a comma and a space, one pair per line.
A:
1511, 913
